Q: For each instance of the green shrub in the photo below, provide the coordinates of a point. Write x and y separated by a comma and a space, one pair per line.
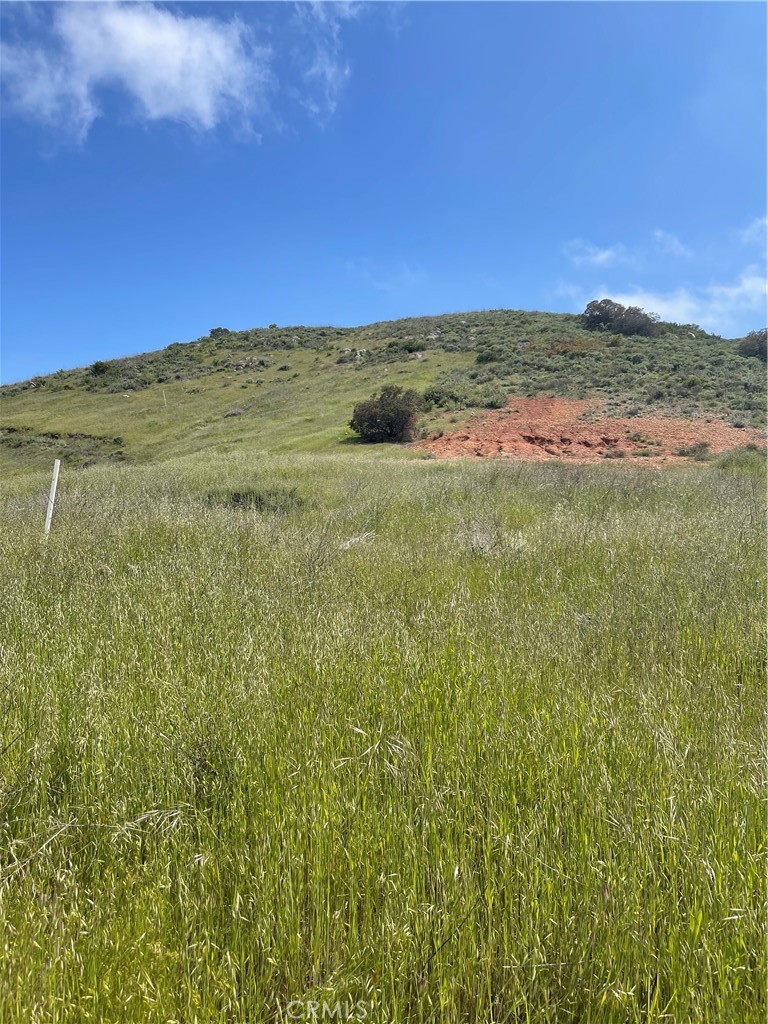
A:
409, 345
389, 416
754, 344
276, 500
494, 398
606, 315
747, 459
489, 355
698, 451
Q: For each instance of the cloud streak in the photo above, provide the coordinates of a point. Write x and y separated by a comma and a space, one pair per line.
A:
723, 306
392, 279
755, 233
719, 308
324, 71
670, 245
582, 253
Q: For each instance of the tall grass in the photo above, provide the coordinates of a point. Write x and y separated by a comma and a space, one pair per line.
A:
458, 742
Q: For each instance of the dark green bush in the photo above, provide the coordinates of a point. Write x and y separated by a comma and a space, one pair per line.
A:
489, 355
276, 500
606, 315
755, 344
698, 451
389, 416
408, 345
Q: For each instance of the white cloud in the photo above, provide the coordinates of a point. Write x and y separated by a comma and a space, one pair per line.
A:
720, 308
755, 233
583, 253
669, 244
392, 278
729, 309
197, 70
323, 69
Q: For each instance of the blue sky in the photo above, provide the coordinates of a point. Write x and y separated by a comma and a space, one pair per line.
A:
169, 168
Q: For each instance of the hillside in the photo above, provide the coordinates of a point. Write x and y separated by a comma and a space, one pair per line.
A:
281, 389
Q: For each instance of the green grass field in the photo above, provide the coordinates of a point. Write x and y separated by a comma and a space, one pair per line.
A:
445, 742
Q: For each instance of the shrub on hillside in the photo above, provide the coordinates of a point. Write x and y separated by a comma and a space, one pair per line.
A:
389, 416
494, 397
747, 459
606, 315
699, 451
407, 345
755, 344
456, 393
489, 355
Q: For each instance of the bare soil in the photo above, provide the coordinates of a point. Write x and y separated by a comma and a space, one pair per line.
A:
543, 428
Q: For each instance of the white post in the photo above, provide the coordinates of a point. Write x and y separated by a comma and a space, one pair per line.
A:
52, 496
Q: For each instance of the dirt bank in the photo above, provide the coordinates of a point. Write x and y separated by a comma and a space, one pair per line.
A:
561, 428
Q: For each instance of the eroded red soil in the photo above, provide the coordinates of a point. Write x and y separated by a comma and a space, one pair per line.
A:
561, 428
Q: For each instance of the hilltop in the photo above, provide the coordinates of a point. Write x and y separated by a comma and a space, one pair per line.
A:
281, 389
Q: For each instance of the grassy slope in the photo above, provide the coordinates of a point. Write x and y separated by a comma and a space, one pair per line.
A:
285, 413
463, 742
178, 398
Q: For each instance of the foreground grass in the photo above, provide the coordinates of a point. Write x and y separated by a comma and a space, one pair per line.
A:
472, 742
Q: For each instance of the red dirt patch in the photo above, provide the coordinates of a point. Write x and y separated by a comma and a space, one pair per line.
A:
561, 428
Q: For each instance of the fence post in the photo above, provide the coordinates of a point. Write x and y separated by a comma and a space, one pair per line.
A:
52, 496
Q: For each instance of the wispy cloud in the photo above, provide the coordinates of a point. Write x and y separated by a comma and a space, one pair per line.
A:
324, 71
582, 253
394, 278
670, 245
196, 70
729, 309
728, 304
720, 308
755, 233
